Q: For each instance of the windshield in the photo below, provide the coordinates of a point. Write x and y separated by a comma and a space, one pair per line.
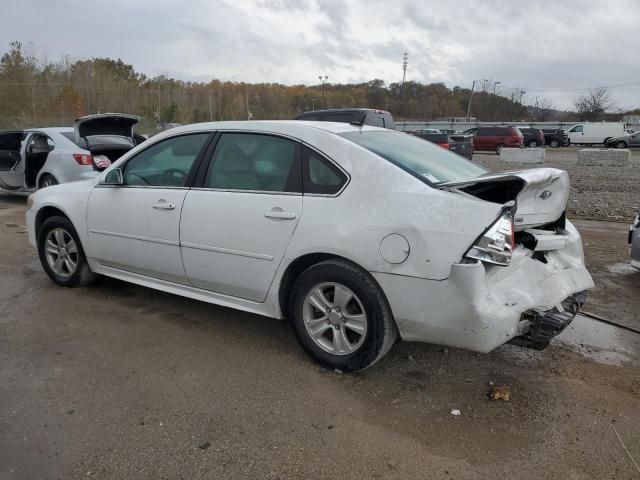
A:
418, 156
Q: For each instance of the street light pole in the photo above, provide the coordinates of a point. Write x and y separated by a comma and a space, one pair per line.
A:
484, 81
494, 87
323, 80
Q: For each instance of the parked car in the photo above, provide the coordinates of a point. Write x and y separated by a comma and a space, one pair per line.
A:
428, 130
460, 144
495, 138
595, 133
634, 241
41, 157
358, 235
359, 116
555, 137
627, 141
532, 137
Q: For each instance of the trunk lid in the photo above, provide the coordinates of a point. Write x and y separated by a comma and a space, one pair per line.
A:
107, 136
540, 194
118, 124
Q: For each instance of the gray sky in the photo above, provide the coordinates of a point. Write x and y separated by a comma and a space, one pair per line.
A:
534, 44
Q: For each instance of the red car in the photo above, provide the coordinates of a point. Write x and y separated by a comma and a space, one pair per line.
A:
495, 138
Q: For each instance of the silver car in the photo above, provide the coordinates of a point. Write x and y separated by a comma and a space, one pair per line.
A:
39, 157
634, 241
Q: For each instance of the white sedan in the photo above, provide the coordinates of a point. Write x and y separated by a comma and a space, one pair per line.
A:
358, 235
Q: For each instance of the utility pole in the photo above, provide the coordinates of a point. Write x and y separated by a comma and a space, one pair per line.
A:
494, 87
210, 108
483, 80
323, 80
405, 62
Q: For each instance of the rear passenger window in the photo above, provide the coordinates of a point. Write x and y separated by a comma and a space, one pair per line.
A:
374, 120
339, 117
245, 161
319, 175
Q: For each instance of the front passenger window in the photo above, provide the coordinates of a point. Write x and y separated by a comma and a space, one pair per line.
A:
166, 163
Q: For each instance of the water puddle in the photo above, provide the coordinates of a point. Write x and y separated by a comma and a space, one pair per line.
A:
601, 342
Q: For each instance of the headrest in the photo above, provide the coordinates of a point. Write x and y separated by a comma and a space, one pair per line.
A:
232, 159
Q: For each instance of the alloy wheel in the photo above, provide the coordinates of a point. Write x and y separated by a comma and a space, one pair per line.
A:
61, 252
334, 318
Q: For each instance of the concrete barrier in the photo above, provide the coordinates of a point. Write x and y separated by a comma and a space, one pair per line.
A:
522, 155
611, 157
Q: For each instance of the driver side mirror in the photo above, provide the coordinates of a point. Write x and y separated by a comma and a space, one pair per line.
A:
114, 177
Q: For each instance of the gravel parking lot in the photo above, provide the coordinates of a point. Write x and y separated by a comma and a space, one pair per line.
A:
600, 193
116, 381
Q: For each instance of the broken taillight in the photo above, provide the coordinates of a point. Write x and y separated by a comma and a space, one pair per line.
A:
83, 158
496, 244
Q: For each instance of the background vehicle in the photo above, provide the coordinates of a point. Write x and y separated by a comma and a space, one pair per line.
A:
627, 141
460, 143
555, 137
594, 133
532, 137
495, 138
428, 130
363, 116
634, 241
275, 218
37, 158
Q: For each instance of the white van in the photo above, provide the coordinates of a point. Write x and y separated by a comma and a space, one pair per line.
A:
591, 133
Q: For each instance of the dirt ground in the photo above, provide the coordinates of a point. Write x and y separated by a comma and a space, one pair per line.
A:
116, 381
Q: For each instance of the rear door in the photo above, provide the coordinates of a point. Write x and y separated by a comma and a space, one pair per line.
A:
238, 219
11, 165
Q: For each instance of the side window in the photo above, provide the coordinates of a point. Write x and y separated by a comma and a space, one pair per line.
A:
166, 163
246, 161
11, 141
319, 175
577, 129
339, 117
374, 120
484, 132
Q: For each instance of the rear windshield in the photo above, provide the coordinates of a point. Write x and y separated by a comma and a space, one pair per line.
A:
423, 159
69, 135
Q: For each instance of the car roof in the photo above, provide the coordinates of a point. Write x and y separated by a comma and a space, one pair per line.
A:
51, 130
355, 109
275, 125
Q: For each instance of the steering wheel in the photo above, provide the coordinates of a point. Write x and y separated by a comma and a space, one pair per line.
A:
174, 177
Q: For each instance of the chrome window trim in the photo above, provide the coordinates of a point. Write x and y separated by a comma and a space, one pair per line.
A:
301, 142
234, 190
158, 187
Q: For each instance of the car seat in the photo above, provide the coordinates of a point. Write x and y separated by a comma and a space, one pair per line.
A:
232, 169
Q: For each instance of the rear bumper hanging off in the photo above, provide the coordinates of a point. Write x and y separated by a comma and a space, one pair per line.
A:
546, 325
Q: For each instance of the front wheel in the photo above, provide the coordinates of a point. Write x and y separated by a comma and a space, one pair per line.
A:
621, 145
533, 144
61, 253
554, 143
341, 317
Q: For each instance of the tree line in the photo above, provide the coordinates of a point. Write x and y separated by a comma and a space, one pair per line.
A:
38, 93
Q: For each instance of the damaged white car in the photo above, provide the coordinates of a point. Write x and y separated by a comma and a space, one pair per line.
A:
41, 157
358, 235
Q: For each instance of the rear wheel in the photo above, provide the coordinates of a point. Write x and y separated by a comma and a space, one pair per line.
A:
499, 148
47, 181
554, 143
532, 144
341, 317
61, 253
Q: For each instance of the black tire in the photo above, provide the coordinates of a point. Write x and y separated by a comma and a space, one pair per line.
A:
381, 332
82, 275
532, 144
47, 181
554, 143
499, 148
621, 144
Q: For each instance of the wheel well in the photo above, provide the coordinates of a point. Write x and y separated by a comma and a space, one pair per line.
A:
47, 212
298, 266
43, 176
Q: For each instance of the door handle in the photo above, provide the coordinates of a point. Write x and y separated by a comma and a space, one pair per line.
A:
164, 205
279, 213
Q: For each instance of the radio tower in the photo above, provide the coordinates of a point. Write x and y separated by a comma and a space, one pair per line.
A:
405, 62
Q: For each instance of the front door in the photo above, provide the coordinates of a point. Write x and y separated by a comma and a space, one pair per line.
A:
11, 164
576, 134
136, 226
236, 227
